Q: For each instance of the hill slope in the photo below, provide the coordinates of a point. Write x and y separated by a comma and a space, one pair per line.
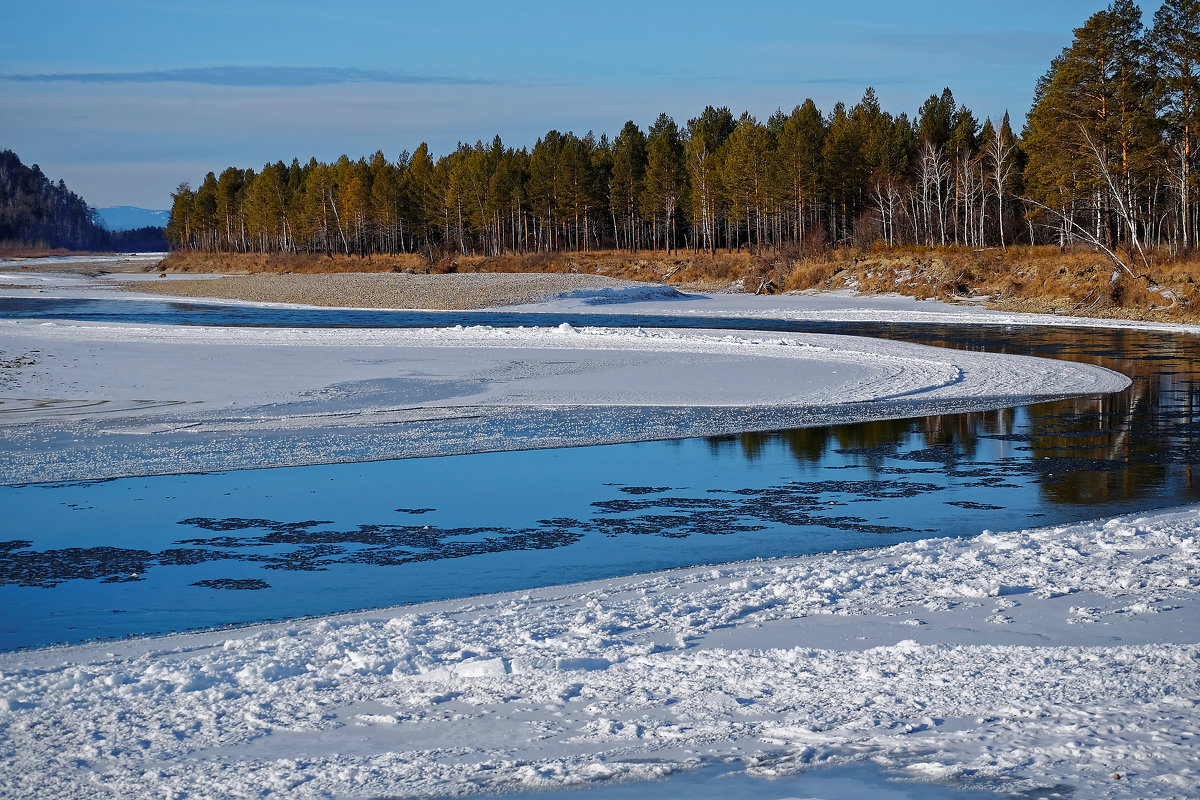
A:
37, 213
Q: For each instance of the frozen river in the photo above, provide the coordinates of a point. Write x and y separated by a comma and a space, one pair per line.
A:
139, 555
800, 655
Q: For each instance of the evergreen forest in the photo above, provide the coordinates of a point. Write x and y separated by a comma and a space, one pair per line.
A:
37, 213
1105, 157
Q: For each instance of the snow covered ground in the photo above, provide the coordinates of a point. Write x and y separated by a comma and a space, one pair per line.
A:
39, 267
835, 306
90, 400
97, 365
634, 299
1050, 658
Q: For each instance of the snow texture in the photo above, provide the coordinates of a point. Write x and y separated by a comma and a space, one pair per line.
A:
93, 400
835, 306
1054, 657
147, 259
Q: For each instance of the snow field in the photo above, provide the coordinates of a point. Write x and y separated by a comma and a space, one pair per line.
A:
833, 306
104, 400
1023, 660
226, 367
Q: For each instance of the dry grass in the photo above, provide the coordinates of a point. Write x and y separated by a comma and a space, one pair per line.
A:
284, 263
1043, 279
1079, 282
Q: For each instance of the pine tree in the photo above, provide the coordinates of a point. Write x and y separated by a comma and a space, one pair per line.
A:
665, 176
543, 166
205, 213
296, 199
706, 135
385, 203
421, 184
1091, 132
935, 120
179, 227
602, 179
1174, 51
628, 175
801, 141
844, 171
572, 187
746, 175
264, 209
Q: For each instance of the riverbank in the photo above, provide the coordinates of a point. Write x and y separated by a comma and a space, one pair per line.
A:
1076, 285
90, 265
391, 290
1078, 282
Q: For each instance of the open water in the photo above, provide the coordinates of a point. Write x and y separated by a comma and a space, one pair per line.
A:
148, 555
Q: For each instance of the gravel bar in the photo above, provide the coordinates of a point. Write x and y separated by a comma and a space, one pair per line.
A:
382, 290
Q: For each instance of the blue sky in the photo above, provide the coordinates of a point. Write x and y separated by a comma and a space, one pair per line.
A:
123, 99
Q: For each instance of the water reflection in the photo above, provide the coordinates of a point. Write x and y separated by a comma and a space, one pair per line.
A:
874, 442
1137, 444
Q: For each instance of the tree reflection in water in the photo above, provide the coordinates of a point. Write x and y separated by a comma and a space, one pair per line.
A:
1136, 444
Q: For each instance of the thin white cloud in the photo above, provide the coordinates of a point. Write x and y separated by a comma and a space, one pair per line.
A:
248, 76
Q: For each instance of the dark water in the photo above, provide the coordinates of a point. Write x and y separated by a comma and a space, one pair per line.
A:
144, 555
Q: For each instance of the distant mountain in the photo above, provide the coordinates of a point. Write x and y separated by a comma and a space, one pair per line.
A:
128, 218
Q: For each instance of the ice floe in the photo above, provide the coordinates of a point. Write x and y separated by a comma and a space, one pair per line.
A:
93, 400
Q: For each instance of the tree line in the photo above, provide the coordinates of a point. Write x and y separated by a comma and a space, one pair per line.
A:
36, 212
1111, 136
1105, 157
